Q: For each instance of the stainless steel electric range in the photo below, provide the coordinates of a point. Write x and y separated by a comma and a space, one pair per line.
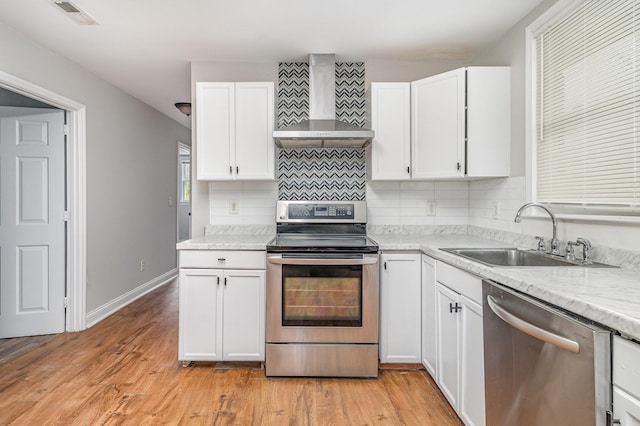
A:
322, 291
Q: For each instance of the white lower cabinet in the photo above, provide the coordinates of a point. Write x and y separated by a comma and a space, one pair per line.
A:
459, 342
400, 307
626, 408
429, 354
222, 311
626, 382
448, 343
471, 407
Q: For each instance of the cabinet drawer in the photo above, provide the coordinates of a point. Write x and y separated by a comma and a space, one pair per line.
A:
227, 259
462, 282
626, 365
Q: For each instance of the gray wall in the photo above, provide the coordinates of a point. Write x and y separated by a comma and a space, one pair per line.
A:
131, 170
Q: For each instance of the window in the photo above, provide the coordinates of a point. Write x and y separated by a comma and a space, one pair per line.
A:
185, 180
586, 89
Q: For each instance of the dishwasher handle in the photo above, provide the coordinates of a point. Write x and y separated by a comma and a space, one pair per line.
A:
532, 330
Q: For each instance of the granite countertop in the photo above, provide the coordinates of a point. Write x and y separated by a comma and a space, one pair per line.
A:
605, 295
227, 242
609, 296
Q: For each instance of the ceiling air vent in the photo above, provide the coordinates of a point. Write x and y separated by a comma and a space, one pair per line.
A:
74, 12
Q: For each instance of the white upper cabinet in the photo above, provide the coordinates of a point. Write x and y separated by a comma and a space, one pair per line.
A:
488, 121
460, 124
234, 127
391, 120
437, 125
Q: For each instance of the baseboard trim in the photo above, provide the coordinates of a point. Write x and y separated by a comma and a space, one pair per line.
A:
118, 303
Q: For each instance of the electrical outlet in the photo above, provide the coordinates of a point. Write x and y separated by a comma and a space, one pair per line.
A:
495, 209
171, 201
431, 208
142, 266
233, 206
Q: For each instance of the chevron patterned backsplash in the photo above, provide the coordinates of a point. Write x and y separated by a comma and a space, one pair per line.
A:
321, 173
350, 93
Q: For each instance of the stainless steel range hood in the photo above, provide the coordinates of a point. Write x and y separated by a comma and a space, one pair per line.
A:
322, 129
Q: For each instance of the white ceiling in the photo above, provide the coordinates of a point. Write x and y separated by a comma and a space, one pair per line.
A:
145, 47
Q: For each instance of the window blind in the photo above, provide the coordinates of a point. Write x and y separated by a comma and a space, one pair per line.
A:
587, 105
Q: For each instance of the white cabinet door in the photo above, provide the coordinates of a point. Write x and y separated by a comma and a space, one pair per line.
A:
215, 130
234, 127
254, 156
429, 355
488, 121
626, 381
243, 322
626, 408
200, 337
448, 347
460, 124
390, 119
460, 342
400, 308
438, 126
471, 407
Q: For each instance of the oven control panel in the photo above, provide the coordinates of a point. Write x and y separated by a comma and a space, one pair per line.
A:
321, 211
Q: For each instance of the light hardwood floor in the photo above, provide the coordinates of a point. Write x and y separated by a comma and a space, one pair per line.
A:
124, 370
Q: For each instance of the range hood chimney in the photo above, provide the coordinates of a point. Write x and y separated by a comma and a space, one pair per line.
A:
322, 129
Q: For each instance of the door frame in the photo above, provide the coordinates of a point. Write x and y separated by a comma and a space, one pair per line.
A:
76, 183
182, 145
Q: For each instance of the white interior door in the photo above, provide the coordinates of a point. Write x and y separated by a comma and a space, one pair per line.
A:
32, 229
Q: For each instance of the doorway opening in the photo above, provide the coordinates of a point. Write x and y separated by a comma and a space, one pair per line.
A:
184, 192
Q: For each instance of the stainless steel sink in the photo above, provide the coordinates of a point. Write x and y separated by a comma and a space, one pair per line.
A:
515, 257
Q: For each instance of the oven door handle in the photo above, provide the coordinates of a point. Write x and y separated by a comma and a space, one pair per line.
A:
317, 261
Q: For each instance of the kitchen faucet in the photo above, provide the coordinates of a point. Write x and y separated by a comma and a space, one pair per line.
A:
555, 249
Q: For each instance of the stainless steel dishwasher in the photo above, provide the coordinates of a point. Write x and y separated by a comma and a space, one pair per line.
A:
542, 365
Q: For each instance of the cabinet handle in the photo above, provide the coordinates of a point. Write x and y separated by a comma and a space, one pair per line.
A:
218, 281
454, 308
458, 166
385, 265
222, 259
237, 170
408, 169
225, 281
230, 170
612, 421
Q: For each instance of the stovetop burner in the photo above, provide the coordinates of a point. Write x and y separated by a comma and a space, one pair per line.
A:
322, 243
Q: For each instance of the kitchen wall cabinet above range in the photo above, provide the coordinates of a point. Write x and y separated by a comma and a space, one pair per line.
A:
234, 127
448, 126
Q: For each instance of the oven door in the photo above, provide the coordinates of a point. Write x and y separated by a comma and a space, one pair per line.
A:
322, 298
